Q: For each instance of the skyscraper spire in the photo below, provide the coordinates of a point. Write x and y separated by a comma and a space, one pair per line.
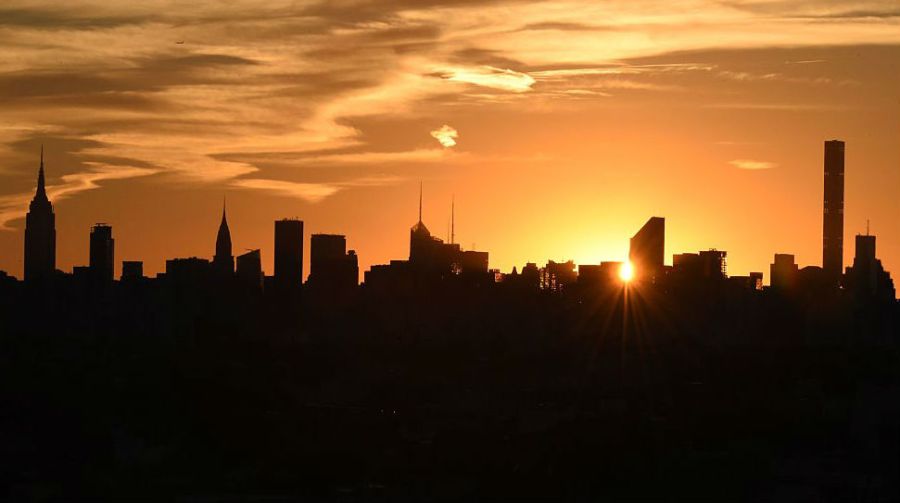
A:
420, 201
41, 192
40, 232
453, 219
224, 260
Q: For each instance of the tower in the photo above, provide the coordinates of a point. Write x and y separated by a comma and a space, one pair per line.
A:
40, 233
223, 261
647, 250
102, 254
833, 211
289, 253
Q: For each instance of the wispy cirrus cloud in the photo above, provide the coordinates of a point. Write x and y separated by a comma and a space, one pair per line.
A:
15, 206
486, 76
311, 192
253, 79
751, 164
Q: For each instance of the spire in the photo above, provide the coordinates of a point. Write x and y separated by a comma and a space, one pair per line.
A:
223, 240
453, 219
420, 201
41, 192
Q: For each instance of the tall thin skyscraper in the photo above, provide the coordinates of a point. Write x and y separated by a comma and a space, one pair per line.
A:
833, 215
223, 261
102, 256
40, 233
288, 253
647, 250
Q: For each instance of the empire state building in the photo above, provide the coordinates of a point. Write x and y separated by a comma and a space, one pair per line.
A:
40, 233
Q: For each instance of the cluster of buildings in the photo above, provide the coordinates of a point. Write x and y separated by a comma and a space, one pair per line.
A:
334, 270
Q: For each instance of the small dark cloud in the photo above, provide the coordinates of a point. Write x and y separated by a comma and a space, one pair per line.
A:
559, 26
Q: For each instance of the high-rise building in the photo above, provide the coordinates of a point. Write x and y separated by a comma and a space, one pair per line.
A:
647, 250
40, 233
833, 214
866, 278
288, 253
249, 269
223, 261
330, 265
783, 272
102, 254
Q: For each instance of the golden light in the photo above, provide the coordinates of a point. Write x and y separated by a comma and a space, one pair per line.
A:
626, 272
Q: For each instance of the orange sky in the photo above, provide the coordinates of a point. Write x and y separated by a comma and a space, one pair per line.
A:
573, 122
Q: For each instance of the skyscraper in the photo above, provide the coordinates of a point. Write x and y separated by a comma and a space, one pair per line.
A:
833, 215
223, 261
102, 255
331, 267
288, 252
647, 250
40, 233
249, 269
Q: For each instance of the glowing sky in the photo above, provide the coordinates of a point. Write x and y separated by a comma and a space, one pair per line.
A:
560, 127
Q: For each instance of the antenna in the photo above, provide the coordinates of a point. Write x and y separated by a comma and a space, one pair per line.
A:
867, 227
420, 200
453, 219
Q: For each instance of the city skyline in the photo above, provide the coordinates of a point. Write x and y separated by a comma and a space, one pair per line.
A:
646, 260
711, 114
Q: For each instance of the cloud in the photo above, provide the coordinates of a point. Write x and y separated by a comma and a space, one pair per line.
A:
14, 207
446, 136
751, 164
488, 76
312, 192
309, 192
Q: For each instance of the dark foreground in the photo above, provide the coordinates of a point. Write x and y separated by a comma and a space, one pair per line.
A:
145, 394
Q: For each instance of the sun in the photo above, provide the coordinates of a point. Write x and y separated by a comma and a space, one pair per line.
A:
626, 272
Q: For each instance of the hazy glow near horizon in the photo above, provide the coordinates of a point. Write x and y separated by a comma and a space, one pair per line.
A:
559, 126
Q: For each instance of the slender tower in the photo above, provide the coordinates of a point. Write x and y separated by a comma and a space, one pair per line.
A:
833, 216
40, 233
223, 261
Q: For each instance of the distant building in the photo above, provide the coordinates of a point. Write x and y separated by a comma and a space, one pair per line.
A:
132, 270
784, 272
833, 211
191, 271
288, 253
102, 253
40, 233
249, 269
556, 276
603, 275
705, 265
647, 250
223, 261
331, 266
866, 278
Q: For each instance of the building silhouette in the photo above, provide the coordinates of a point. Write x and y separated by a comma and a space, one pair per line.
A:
784, 272
223, 261
40, 233
249, 269
132, 270
866, 279
833, 211
102, 253
331, 266
702, 266
288, 253
647, 250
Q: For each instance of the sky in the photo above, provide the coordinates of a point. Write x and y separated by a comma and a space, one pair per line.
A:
559, 127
